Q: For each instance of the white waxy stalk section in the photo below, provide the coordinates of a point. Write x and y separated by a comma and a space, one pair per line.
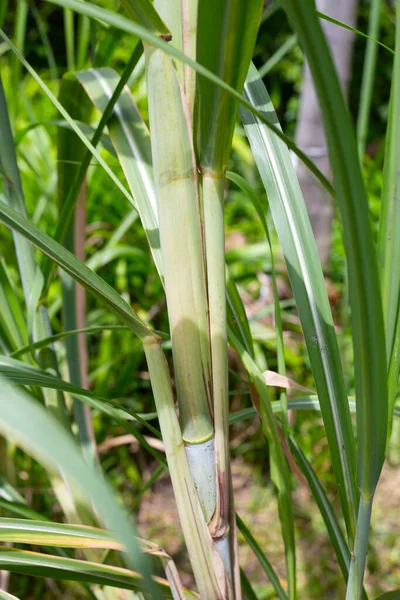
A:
201, 459
224, 548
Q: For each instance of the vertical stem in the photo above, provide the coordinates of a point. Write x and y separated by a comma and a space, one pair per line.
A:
368, 76
359, 557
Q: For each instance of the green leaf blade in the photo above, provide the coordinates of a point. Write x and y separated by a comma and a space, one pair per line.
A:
296, 238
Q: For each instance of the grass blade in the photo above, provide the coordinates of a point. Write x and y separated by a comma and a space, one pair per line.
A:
45, 342
279, 466
296, 238
357, 31
45, 438
70, 569
290, 43
12, 322
367, 319
144, 13
45, 533
131, 140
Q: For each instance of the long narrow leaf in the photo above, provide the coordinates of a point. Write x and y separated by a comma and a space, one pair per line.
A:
262, 559
79, 271
45, 565
389, 229
366, 309
296, 238
44, 437
124, 24
131, 140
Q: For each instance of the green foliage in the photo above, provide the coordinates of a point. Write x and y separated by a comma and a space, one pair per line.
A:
278, 313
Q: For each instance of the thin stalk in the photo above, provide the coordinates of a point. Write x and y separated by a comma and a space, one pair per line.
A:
21, 17
3, 11
207, 566
70, 152
83, 41
359, 556
182, 258
367, 81
45, 41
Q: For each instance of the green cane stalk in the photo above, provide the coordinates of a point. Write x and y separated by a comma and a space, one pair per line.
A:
181, 247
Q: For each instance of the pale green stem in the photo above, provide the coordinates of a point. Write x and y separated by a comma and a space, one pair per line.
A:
359, 556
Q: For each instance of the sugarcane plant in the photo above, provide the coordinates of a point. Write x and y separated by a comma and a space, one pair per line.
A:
197, 58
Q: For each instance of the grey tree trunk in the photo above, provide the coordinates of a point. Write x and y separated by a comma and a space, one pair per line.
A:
310, 136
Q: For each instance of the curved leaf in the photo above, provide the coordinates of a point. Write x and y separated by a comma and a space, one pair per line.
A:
124, 24
78, 270
262, 559
45, 565
295, 235
131, 140
45, 533
41, 435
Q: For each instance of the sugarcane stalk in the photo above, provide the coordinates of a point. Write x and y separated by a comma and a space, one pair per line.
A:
181, 248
